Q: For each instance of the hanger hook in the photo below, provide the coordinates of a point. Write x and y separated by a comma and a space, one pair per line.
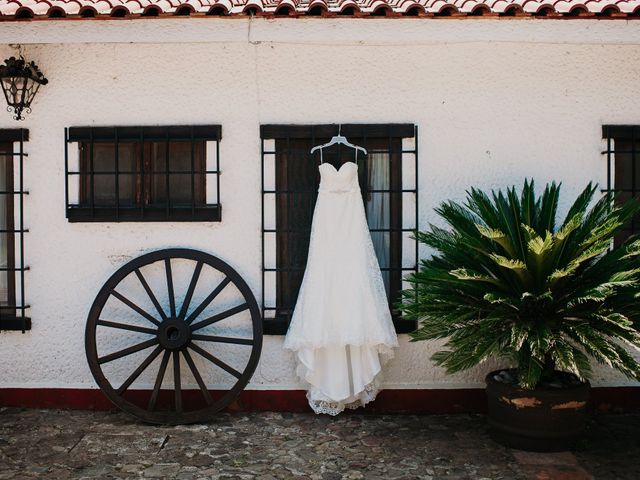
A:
339, 129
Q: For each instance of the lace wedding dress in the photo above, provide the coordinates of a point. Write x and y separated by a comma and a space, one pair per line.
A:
341, 330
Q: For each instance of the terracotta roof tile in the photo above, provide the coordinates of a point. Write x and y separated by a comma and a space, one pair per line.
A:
60, 9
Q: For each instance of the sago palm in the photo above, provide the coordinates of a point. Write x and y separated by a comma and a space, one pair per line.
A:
506, 281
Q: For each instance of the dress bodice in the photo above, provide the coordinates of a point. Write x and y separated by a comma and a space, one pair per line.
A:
339, 181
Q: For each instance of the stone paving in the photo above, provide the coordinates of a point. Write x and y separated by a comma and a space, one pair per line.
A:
53, 444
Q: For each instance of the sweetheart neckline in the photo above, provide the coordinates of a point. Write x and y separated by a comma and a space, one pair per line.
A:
338, 170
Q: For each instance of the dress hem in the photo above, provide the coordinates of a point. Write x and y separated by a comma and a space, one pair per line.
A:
323, 403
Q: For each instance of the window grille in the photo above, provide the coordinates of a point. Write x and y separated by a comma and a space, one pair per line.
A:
623, 169
290, 180
12, 262
137, 174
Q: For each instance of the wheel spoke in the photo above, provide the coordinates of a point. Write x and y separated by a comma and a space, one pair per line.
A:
215, 360
175, 326
196, 375
208, 300
135, 307
127, 351
124, 326
192, 287
159, 378
220, 316
153, 298
176, 381
136, 373
213, 338
172, 298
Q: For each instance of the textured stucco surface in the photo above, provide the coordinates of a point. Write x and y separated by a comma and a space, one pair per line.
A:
489, 114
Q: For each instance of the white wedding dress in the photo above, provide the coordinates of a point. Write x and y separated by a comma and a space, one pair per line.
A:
341, 330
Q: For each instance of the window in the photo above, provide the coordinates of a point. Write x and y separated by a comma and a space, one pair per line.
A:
12, 268
143, 174
7, 238
623, 169
388, 180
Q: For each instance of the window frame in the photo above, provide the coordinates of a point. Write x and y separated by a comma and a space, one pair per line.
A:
142, 209
13, 315
9, 310
611, 134
275, 317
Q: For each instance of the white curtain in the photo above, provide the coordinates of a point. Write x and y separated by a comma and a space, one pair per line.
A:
378, 209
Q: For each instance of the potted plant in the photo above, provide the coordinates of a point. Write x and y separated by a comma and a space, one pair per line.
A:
505, 280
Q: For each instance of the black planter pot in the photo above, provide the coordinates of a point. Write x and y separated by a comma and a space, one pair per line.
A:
540, 420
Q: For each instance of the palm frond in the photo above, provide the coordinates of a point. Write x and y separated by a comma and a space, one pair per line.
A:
507, 280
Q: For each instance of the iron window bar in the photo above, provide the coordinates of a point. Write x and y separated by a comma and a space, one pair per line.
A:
13, 313
277, 321
624, 134
142, 208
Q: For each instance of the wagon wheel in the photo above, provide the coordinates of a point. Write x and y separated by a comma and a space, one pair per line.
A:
168, 326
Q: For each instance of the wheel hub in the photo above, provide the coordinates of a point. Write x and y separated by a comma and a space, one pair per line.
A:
174, 334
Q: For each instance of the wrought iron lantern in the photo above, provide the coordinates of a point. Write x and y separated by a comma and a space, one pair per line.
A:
20, 82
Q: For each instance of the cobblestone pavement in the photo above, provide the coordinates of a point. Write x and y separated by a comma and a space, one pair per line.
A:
51, 444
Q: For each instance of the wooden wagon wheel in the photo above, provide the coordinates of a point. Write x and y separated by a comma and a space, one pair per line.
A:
168, 325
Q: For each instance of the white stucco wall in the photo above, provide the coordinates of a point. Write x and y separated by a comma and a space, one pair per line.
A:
495, 101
